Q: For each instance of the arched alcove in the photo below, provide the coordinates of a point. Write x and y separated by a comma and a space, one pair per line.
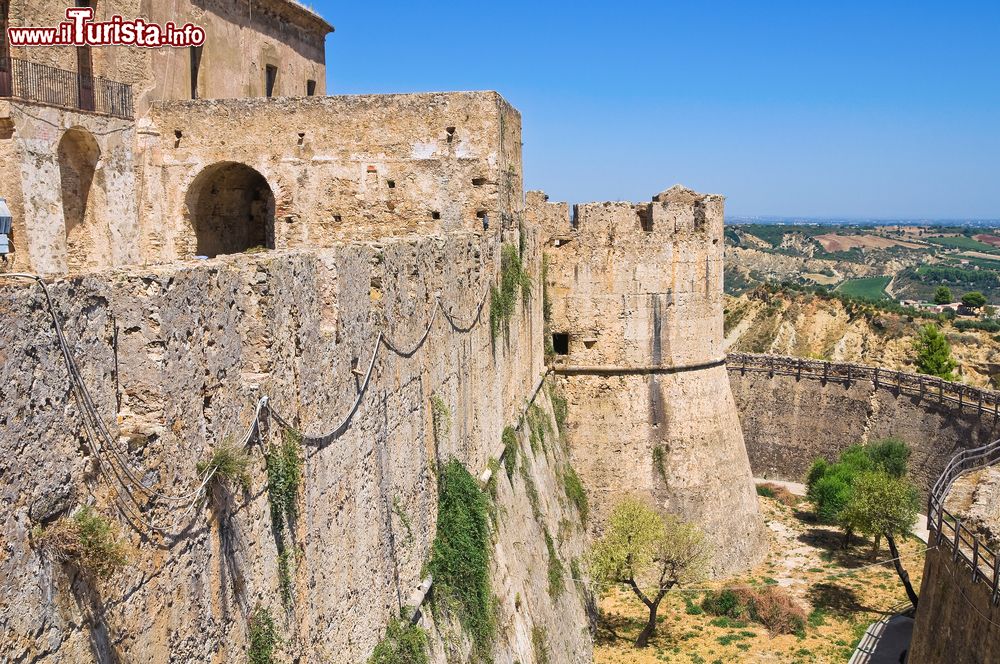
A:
80, 186
231, 208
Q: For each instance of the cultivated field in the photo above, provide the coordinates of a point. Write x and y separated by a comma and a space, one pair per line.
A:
839, 242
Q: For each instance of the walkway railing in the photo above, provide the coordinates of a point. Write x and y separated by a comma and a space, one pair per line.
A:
965, 397
30, 81
946, 530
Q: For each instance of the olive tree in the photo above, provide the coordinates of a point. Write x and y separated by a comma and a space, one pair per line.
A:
881, 505
649, 553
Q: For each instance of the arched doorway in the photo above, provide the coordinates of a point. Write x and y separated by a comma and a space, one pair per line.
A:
80, 184
231, 207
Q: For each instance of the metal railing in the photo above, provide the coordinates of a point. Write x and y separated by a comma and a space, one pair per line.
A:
965, 397
30, 81
946, 531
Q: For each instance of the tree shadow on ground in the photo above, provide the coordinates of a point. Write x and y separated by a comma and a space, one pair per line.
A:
831, 543
839, 600
613, 627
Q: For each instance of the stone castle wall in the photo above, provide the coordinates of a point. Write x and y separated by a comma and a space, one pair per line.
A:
338, 168
242, 38
347, 167
956, 619
175, 358
638, 291
33, 171
789, 422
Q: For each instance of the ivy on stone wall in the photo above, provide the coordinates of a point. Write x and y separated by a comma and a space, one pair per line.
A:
513, 279
263, 637
460, 556
403, 644
284, 476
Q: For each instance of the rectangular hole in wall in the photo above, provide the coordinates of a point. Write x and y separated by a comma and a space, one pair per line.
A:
560, 343
310, 88
195, 55
646, 218
270, 78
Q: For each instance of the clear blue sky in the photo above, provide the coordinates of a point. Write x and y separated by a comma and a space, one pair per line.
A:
856, 109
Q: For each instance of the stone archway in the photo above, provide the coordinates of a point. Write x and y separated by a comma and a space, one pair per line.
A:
231, 209
81, 188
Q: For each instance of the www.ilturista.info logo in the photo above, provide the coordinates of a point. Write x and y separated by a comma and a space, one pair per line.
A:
79, 29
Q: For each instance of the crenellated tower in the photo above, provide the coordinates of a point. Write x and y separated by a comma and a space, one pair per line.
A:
636, 331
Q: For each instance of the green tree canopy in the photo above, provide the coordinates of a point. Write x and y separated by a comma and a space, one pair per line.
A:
942, 295
974, 300
648, 553
934, 353
884, 506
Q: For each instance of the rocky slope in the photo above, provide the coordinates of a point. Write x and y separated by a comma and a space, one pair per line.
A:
806, 325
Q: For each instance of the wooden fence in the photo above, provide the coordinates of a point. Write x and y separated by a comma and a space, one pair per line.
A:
964, 397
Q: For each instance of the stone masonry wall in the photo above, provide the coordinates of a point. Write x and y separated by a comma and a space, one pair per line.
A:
32, 185
638, 289
339, 167
242, 38
956, 620
175, 358
788, 423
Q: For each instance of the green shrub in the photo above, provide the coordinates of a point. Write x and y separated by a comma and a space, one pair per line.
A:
263, 637
575, 492
403, 644
765, 491
691, 608
722, 603
228, 464
513, 279
88, 541
460, 555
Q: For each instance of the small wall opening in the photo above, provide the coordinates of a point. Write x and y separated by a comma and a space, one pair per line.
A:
310, 88
645, 214
560, 343
195, 69
231, 207
270, 79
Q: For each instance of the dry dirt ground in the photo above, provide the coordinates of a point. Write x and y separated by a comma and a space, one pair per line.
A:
839, 589
837, 242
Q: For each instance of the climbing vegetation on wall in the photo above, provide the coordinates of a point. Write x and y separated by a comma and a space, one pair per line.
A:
284, 476
538, 425
509, 441
403, 644
460, 556
575, 492
560, 407
262, 636
514, 279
